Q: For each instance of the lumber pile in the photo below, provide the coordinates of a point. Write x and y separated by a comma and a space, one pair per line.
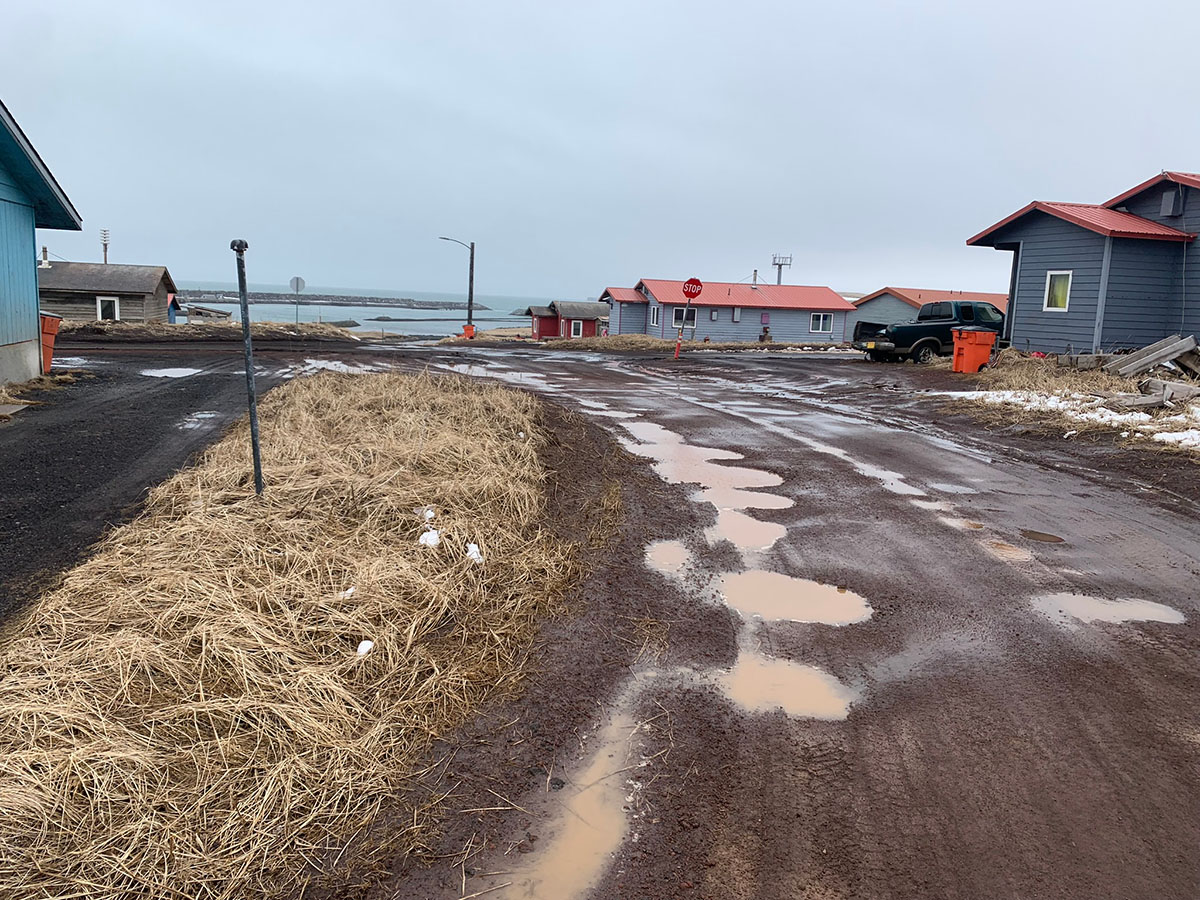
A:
1172, 357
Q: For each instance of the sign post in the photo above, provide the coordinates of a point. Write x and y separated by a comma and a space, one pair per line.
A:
691, 289
239, 247
297, 285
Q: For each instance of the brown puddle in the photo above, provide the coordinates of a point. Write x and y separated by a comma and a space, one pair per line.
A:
1084, 608
759, 684
744, 532
589, 830
736, 498
774, 596
1042, 536
668, 557
1007, 552
679, 463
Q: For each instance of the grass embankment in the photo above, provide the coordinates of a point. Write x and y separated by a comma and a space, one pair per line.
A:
642, 342
16, 393
189, 714
492, 334
203, 331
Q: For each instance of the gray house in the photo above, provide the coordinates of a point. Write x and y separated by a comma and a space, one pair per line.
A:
894, 304
1099, 277
93, 291
729, 312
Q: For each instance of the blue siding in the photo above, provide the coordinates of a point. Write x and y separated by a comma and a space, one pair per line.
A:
18, 276
1142, 305
1185, 317
1049, 244
885, 309
786, 324
627, 318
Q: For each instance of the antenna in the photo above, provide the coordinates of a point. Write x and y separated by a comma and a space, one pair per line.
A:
779, 261
104, 243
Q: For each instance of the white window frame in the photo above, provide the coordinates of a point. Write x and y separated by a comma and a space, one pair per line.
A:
812, 323
737, 314
577, 328
116, 306
1046, 295
562, 328
680, 315
712, 314
654, 317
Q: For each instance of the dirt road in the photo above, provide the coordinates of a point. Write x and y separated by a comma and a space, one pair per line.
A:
846, 646
945, 664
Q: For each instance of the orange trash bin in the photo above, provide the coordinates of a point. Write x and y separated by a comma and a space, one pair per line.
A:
50, 323
972, 348
468, 331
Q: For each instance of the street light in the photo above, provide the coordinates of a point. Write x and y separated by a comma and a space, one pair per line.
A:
470, 278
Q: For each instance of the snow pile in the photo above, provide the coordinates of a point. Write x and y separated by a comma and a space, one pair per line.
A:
312, 366
473, 553
430, 538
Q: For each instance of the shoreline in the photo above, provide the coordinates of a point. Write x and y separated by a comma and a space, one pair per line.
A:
202, 297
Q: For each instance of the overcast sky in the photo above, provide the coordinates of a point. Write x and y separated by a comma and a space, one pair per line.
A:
589, 144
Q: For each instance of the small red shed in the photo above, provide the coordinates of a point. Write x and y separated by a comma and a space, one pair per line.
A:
543, 322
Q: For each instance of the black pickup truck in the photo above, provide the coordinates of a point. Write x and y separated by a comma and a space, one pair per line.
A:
929, 334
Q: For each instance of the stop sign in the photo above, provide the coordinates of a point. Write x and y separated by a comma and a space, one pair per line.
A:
692, 288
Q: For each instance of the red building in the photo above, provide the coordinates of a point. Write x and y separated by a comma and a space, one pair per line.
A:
567, 319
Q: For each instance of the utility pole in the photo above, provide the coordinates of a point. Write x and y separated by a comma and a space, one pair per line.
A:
239, 247
470, 330
104, 243
779, 261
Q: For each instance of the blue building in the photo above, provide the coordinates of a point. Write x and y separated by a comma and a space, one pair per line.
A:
1100, 277
730, 312
895, 304
29, 198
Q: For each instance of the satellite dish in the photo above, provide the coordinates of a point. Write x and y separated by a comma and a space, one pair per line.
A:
296, 284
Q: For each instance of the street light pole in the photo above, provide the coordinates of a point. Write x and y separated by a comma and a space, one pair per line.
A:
470, 278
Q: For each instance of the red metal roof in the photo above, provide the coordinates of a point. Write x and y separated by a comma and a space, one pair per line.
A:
917, 297
1093, 217
1185, 178
625, 295
760, 296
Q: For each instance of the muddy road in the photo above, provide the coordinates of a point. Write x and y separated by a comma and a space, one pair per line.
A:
847, 645
957, 664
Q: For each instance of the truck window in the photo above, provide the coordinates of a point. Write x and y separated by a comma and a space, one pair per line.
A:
926, 312
966, 312
989, 315
943, 310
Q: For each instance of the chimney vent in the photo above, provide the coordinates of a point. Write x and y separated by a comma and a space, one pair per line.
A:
45, 263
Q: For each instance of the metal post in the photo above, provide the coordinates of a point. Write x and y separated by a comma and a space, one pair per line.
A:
471, 288
240, 247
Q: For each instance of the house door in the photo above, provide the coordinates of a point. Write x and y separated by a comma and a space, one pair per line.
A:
562, 328
108, 309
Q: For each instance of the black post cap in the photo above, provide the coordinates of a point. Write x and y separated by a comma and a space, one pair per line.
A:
238, 246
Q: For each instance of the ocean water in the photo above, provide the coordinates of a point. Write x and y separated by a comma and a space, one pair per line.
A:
420, 321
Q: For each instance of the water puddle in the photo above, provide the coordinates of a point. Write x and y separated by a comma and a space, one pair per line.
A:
759, 684
745, 532
197, 420
589, 830
952, 488
938, 505
1042, 536
1062, 608
1007, 552
679, 463
960, 524
169, 373
668, 557
775, 596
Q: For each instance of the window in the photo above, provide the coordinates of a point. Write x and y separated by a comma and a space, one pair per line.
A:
108, 308
577, 328
712, 314
562, 327
654, 316
966, 312
988, 314
766, 318
737, 314
677, 314
1058, 291
821, 323
926, 312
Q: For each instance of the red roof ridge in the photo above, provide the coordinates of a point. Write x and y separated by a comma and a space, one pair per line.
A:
932, 295
1190, 179
1099, 218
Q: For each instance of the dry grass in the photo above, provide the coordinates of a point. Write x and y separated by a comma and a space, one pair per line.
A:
187, 715
203, 331
642, 342
1016, 371
15, 393
492, 334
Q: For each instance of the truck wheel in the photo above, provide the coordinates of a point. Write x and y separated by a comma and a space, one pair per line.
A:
923, 353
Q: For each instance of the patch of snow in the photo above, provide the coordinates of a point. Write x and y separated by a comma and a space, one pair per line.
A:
312, 366
473, 553
347, 593
170, 373
197, 420
430, 538
1189, 438
77, 362
364, 647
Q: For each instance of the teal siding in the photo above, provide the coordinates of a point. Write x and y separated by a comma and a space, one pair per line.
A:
18, 275
627, 318
884, 309
791, 325
1142, 305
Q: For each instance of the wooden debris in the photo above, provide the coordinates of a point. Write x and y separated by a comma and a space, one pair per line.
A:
1170, 390
1189, 362
1135, 401
1147, 358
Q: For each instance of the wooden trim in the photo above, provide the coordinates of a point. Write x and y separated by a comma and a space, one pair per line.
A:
1098, 331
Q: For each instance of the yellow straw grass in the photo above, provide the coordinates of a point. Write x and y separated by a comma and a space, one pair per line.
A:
188, 716
204, 331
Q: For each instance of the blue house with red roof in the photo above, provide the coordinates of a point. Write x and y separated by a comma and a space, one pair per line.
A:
1099, 277
29, 198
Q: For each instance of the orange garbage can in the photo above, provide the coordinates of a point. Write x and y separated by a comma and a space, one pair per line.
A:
972, 348
468, 331
50, 323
